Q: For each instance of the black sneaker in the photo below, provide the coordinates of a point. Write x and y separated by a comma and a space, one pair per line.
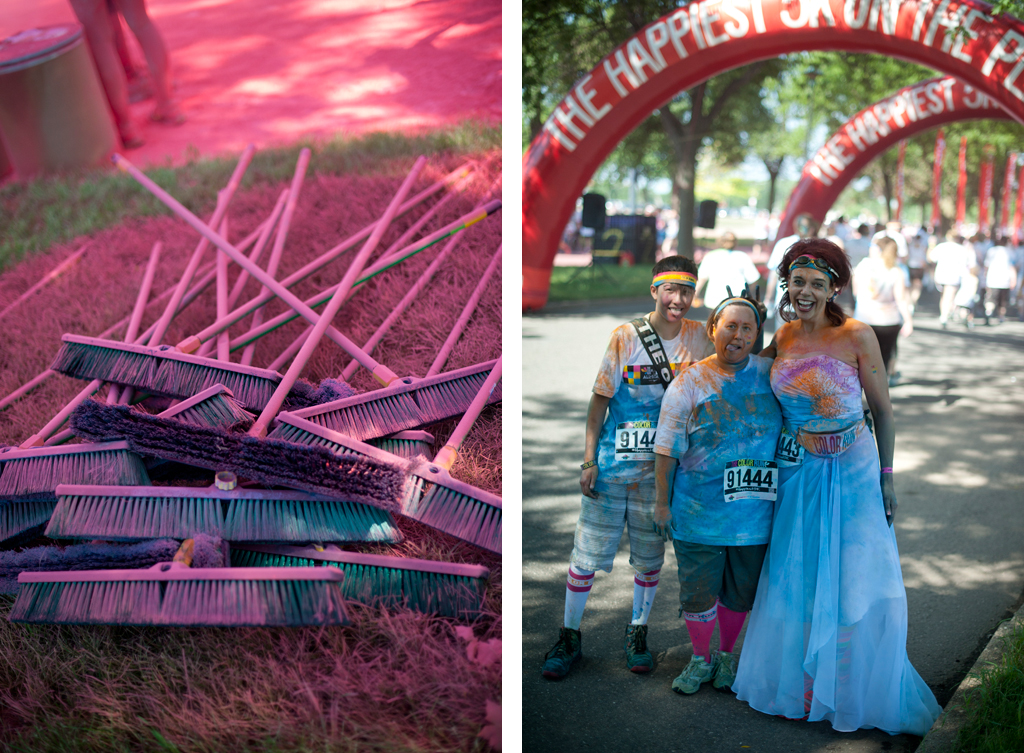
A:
638, 658
564, 654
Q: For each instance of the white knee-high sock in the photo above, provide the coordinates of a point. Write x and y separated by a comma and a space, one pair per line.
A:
645, 586
577, 589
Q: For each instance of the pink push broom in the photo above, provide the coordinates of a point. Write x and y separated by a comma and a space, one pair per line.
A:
444, 588
175, 594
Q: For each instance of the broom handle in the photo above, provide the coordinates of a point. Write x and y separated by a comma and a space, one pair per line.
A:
223, 199
189, 344
113, 397
467, 313
52, 275
382, 373
223, 340
275, 255
373, 270
403, 304
446, 457
261, 425
257, 251
37, 439
192, 294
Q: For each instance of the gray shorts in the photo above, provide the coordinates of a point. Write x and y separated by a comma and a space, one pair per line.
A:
600, 525
710, 572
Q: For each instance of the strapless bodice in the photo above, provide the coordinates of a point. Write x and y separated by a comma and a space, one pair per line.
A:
819, 393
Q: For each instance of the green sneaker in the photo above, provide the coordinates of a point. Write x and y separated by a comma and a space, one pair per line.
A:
638, 658
564, 654
697, 672
725, 673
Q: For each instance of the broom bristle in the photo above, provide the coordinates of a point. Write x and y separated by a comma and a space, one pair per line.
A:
215, 407
131, 514
459, 514
34, 473
17, 519
162, 370
176, 595
391, 582
407, 444
407, 404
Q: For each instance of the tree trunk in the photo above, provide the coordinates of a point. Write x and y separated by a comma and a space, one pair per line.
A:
887, 193
686, 140
774, 167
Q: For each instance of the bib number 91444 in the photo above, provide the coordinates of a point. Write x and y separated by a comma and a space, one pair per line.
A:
751, 479
634, 440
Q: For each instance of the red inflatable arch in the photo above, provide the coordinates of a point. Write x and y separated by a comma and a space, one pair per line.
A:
874, 129
703, 39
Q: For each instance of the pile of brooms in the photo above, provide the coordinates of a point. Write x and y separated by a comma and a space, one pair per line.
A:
305, 472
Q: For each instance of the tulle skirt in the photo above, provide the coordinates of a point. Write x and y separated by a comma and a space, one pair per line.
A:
827, 635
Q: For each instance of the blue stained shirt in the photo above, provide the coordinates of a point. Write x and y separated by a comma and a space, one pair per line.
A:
710, 417
627, 378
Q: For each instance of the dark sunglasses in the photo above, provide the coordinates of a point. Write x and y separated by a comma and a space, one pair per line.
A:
812, 261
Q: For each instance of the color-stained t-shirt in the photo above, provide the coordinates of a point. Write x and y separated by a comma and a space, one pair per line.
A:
628, 377
710, 418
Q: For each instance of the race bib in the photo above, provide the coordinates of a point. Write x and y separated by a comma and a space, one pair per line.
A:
751, 479
788, 451
634, 440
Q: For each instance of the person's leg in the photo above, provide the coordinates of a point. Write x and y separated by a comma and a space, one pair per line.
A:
646, 555
152, 43
95, 20
598, 532
701, 568
739, 587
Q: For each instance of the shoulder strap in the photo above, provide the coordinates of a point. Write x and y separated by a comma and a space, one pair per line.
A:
655, 350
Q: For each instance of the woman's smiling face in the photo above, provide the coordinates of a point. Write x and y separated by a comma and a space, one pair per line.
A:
809, 291
735, 333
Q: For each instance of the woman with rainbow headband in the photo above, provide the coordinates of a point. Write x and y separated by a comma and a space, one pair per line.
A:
828, 633
716, 480
617, 477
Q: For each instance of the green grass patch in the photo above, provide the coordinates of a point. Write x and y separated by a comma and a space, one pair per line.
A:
602, 281
48, 210
996, 706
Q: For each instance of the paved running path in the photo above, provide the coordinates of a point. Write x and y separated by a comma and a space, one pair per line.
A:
959, 480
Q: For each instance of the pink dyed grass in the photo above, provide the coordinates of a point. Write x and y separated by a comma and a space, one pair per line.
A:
391, 681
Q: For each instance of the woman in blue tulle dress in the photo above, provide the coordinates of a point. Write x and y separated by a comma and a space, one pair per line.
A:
827, 635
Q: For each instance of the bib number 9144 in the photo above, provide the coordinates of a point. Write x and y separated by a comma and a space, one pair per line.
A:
634, 440
751, 479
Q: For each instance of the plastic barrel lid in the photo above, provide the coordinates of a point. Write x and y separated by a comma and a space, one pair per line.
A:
35, 46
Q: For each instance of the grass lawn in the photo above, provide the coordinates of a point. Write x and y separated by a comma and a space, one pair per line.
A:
996, 705
604, 281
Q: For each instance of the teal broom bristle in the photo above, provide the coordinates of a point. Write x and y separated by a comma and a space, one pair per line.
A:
376, 418
219, 410
459, 514
134, 513
390, 582
439, 402
34, 473
19, 518
408, 444
162, 371
217, 597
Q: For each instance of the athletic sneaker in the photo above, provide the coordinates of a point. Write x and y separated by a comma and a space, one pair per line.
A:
564, 654
638, 658
697, 672
725, 672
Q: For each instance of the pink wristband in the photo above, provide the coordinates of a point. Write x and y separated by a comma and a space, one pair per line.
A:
887, 470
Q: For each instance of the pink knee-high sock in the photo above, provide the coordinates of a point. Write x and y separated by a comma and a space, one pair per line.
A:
701, 625
730, 624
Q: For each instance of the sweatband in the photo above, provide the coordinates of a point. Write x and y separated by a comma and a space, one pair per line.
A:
738, 299
680, 278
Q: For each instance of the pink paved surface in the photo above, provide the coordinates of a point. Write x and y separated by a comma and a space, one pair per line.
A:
270, 73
